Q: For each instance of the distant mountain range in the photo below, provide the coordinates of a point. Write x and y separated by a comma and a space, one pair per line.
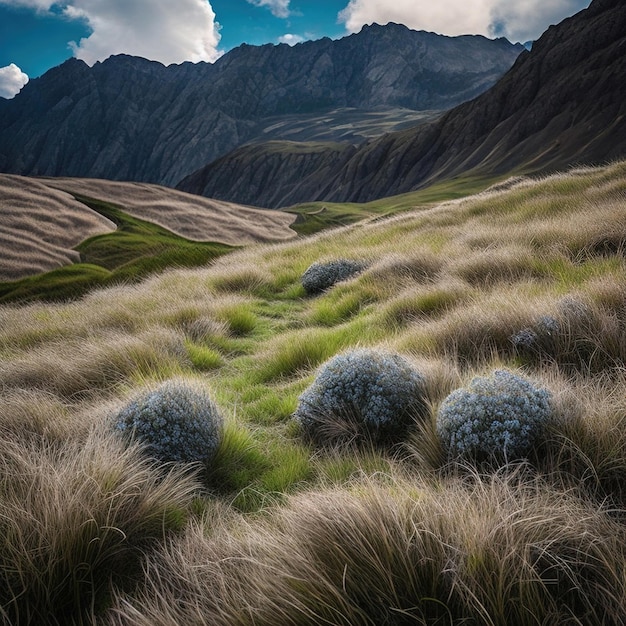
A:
562, 103
132, 119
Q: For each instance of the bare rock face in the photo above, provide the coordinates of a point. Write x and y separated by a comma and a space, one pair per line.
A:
562, 103
132, 119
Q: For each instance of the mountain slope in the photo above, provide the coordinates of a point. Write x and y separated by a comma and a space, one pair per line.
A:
562, 103
132, 119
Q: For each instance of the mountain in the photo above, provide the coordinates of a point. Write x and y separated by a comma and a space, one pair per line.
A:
132, 119
562, 103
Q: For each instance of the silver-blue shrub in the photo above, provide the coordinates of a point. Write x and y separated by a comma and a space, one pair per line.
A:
539, 339
176, 421
495, 417
362, 395
321, 276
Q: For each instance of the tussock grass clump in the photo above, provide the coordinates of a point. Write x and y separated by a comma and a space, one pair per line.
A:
495, 265
417, 303
497, 417
40, 418
321, 276
203, 328
362, 395
494, 552
78, 367
177, 421
76, 520
401, 270
204, 358
584, 448
242, 278
479, 330
240, 319
579, 333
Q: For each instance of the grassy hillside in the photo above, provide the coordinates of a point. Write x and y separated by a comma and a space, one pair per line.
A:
281, 528
135, 250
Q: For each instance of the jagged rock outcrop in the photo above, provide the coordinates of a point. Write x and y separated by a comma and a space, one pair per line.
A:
131, 119
562, 103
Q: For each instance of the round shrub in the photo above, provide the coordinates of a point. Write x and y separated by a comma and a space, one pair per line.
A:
177, 421
362, 395
538, 339
498, 416
321, 276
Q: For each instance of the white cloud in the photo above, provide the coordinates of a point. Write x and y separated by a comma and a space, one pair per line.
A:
279, 8
521, 21
170, 32
291, 39
12, 79
518, 21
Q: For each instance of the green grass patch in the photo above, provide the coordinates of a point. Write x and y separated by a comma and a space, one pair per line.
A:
272, 405
293, 468
65, 283
134, 251
239, 462
317, 216
300, 351
341, 304
240, 319
203, 358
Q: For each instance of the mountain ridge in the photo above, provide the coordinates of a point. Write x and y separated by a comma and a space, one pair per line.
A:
562, 103
128, 118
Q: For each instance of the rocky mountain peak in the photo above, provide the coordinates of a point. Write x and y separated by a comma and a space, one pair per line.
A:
562, 103
128, 118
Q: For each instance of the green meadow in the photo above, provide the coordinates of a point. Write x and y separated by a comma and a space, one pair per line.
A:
276, 529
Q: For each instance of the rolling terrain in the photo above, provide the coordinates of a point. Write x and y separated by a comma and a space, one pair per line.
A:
62, 237
192, 432
526, 277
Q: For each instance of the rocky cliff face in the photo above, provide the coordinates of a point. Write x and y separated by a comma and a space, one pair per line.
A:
132, 119
562, 103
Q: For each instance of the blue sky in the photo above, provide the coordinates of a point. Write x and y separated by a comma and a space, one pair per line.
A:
36, 35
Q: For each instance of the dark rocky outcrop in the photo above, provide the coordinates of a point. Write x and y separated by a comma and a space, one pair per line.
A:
563, 103
131, 119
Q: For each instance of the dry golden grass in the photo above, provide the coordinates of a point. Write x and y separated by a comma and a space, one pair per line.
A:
287, 535
388, 551
75, 517
40, 226
42, 222
193, 217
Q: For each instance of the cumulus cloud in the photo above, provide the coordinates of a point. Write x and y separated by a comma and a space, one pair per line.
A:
170, 32
291, 39
12, 79
279, 8
522, 20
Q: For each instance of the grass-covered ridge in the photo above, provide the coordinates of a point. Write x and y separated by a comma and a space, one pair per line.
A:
136, 249
528, 278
